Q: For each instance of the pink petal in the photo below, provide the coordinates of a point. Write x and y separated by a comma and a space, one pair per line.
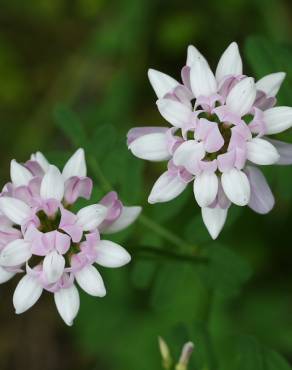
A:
68, 224
62, 242
208, 166
257, 125
240, 158
34, 168
228, 83
261, 198
184, 95
76, 187
50, 206
208, 102
185, 76
113, 204
226, 115
263, 101
214, 140
285, 151
204, 126
226, 161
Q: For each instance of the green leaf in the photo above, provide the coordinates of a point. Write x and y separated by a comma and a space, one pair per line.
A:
124, 172
246, 353
165, 211
71, 126
103, 140
168, 283
273, 361
267, 57
143, 273
195, 230
225, 272
177, 288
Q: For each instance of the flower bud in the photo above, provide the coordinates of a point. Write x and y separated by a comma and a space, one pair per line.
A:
165, 354
185, 356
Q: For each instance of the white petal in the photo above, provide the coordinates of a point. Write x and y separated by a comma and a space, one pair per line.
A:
271, 83
152, 147
230, 63
214, 219
188, 153
161, 82
242, 96
26, 294
236, 187
41, 159
91, 216
53, 266
193, 55
205, 188
15, 253
75, 166
167, 187
67, 302
174, 112
14, 209
203, 81
277, 119
5, 275
91, 281
20, 176
110, 254
260, 151
127, 217
52, 186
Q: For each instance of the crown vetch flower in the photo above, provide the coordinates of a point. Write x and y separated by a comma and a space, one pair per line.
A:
41, 236
219, 127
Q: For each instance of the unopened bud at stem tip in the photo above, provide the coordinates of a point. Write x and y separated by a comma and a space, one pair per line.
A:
165, 353
185, 356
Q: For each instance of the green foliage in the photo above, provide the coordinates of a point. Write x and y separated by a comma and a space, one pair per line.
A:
225, 272
70, 125
247, 354
267, 57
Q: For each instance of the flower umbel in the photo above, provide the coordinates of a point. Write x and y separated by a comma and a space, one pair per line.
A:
219, 131
41, 236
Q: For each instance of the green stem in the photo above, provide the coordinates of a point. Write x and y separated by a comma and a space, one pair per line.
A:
95, 167
144, 220
165, 233
148, 251
206, 307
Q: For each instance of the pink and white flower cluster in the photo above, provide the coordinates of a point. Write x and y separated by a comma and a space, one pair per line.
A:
219, 127
55, 247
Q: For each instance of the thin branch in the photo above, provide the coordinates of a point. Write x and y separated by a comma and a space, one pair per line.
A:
166, 234
151, 252
144, 220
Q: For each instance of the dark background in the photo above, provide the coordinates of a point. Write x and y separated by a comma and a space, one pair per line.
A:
73, 73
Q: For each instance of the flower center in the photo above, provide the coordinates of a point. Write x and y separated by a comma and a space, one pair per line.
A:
51, 223
47, 223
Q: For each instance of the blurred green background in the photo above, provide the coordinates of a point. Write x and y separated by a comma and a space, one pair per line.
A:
73, 73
